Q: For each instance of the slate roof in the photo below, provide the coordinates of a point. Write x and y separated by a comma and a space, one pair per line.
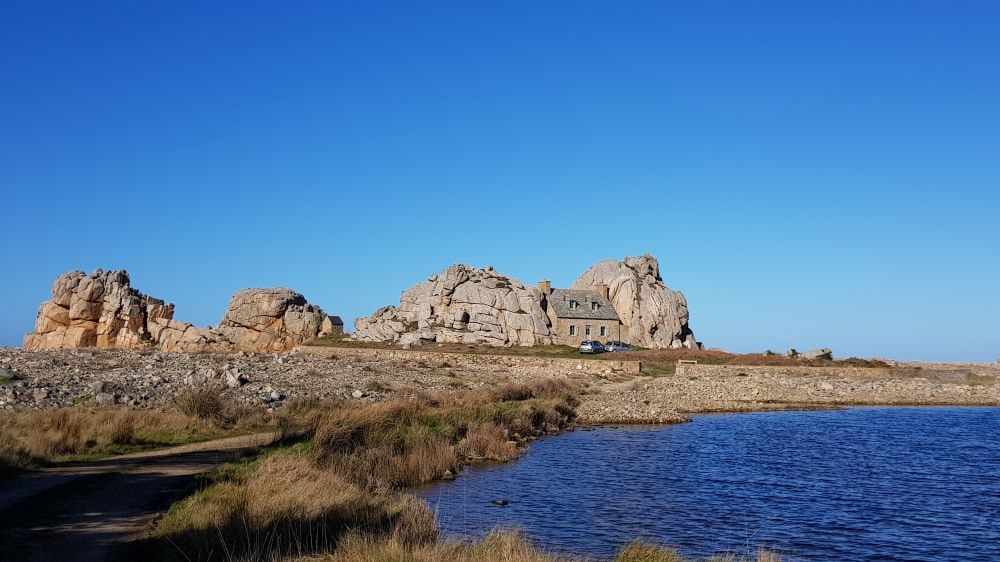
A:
560, 298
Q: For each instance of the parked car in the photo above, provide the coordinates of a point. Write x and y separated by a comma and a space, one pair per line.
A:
591, 346
617, 346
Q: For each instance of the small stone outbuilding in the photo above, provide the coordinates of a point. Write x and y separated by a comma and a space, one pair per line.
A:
578, 315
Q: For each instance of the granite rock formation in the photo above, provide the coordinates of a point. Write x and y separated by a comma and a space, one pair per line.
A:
655, 315
273, 320
463, 304
103, 310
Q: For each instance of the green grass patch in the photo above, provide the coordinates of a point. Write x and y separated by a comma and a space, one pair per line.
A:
144, 441
659, 369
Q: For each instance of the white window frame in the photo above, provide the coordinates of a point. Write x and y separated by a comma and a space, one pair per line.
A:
573, 305
594, 306
604, 331
572, 329
586, 330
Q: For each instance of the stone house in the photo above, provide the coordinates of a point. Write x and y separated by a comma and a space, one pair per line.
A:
577, 316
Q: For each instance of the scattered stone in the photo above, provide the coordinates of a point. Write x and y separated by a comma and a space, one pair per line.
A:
104, 398
822, 353
358, 394
234, 379
195, 379
98, 387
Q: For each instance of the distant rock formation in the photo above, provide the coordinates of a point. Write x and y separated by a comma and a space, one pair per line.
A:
655, 315
274, 319
103, 310
463, 304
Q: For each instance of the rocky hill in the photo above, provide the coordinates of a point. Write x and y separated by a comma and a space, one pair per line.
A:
103, 310
462, 304
465, 304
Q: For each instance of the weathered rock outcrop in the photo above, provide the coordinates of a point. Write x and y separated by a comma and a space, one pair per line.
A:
103, 310
655, 315
469, 305
97, 310
462, 305
273, 320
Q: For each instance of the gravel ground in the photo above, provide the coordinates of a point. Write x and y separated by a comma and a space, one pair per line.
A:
140, 379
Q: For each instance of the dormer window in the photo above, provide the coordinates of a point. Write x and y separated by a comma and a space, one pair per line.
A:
594, 306
573, 305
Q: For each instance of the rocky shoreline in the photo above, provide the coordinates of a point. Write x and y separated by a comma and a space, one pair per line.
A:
36, 379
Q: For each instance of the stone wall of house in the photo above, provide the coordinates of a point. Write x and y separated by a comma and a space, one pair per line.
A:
560, 327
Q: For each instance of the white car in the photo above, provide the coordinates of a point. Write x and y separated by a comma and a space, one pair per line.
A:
617, 346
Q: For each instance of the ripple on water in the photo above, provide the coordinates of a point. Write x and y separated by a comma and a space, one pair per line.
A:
860, 484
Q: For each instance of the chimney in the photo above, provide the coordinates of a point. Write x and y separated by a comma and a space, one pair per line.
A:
603, 290
545, 287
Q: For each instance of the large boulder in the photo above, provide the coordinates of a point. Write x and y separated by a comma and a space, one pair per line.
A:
96, 310
103, 310
462, 304
271, 320
655, 315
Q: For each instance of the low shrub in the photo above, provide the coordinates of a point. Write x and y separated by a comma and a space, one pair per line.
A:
203, 403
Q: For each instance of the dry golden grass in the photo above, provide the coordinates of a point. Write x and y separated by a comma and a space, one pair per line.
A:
287, 506
486, 441
402, 443
41, 436
498, 546
349, 477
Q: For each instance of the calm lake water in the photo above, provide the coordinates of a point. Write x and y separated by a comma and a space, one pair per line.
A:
859, 484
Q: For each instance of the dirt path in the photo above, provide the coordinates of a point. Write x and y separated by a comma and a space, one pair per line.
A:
92, 510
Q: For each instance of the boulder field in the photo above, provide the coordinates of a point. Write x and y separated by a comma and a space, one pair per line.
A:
465, 304
103, 310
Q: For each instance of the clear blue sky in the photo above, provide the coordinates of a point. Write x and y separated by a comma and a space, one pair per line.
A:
808, 173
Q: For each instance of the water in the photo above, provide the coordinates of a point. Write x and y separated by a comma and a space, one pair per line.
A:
859, 484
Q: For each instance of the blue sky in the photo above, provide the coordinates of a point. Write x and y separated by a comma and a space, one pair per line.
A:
808, 173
